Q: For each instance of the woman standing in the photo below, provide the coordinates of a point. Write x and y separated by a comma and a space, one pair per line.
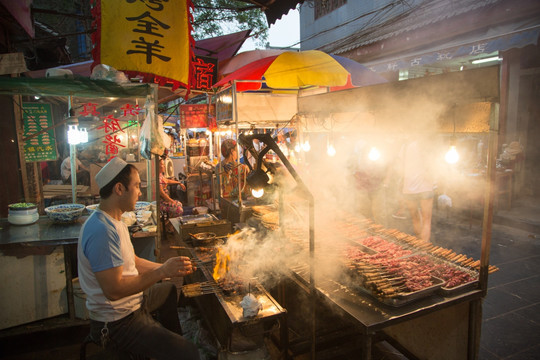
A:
173, 208
230, 170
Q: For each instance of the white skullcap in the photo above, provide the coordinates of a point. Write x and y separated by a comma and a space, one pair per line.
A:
109, 171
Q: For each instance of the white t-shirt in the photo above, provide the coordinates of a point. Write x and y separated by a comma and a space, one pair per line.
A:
65, 168
417, 177
105, 243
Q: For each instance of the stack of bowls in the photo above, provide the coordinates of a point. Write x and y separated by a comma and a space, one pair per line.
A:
22, 214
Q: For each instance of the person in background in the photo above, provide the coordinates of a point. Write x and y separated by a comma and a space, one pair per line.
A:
418, 185
229, 171
83, 173
123, 290
173, 208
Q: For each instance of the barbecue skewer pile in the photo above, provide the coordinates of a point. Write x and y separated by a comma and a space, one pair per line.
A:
200, 288
435, 250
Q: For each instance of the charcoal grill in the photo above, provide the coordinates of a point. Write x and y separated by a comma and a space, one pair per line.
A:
224, 315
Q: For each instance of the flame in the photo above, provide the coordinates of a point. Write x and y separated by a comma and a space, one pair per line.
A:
222, 264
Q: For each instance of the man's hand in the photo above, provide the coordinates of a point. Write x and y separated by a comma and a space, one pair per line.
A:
177, 266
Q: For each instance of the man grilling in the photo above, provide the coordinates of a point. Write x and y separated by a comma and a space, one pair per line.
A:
121, 288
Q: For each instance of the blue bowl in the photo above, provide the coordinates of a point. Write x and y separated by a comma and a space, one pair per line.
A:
65, 213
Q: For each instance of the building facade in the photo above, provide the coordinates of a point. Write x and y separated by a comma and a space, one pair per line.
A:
408, 39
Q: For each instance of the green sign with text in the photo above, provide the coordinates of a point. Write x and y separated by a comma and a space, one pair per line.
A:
41, 145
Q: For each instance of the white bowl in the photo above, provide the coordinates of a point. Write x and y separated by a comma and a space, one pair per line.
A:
22, 219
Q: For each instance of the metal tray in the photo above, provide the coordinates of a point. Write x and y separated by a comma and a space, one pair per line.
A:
406, 298
194, 219
448, 292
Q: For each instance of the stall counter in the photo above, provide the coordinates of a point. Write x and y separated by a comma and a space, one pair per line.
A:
37, 265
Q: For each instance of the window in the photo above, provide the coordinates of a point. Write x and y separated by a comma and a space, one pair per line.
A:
323, 7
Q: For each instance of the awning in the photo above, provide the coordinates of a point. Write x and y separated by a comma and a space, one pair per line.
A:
20, 10
494, 39
221, 47
78, 86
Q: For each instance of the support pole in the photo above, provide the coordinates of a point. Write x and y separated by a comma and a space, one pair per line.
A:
72, 160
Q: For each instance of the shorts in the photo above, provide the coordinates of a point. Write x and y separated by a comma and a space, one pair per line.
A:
426, 195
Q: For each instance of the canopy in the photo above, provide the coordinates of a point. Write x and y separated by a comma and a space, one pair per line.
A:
295, 70
77, 86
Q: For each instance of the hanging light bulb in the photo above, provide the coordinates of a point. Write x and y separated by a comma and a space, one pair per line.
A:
331, 150
297, 147
374, 154
73, 135
306, 147
83, 134
452, 155
257, 193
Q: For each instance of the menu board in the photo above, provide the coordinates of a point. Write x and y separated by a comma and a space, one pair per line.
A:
195, 115
36, 118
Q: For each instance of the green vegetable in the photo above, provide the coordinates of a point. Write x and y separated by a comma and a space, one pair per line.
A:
21, 205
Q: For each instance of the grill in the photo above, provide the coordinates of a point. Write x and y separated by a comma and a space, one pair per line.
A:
219, 303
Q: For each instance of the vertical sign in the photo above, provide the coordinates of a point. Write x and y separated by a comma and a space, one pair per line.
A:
206, 72
42, 147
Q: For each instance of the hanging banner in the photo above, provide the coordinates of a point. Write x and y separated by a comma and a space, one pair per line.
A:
195, 115
146, 37
41, 147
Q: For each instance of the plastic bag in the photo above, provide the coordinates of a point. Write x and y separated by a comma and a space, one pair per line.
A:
153, 139
444, 201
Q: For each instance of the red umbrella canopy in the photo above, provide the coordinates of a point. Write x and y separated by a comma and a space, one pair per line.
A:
294, 70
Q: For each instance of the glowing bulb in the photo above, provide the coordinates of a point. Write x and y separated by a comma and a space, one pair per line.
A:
331, 150
257, 193
297, 147
452, 155
306, 147
83, 135
73, 135
374, 154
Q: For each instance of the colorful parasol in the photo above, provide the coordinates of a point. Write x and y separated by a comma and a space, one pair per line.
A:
295, 70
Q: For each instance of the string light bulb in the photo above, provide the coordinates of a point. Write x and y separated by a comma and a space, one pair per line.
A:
331, 150
374, 154
452, 156
257, 193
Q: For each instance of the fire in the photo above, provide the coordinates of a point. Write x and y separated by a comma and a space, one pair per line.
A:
222, 264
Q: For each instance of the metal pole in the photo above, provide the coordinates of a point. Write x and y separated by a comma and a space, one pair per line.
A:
489, 196
235, 114
72, 160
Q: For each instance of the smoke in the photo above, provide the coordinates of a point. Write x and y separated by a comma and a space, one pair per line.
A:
355, 185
